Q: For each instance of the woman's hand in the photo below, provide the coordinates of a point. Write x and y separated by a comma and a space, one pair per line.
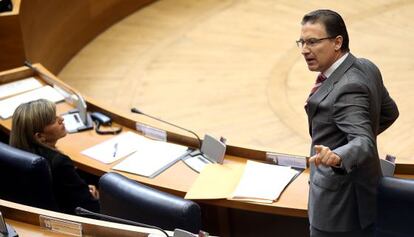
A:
94, 191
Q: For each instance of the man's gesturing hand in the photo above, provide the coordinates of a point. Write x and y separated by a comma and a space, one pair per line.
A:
324, 155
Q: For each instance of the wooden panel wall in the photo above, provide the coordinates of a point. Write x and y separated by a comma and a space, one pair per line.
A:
11, 40
52, 32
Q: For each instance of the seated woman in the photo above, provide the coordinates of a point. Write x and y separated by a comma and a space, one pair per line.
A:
36, 128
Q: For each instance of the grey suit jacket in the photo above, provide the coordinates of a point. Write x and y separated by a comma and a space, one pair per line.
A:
346, 114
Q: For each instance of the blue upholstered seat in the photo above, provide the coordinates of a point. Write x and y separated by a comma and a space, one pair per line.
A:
395, 207
25, 178
128, 199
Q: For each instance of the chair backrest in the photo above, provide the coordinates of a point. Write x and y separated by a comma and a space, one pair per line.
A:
25, 178
395, 207
128, 199
387, 167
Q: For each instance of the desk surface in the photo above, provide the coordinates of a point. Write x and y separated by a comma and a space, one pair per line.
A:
25, 229
293, 201
25, 220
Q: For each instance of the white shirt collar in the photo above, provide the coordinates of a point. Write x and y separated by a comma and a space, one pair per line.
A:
335, 65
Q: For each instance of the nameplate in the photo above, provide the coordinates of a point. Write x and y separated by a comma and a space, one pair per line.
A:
151, 132
287, 160
60, 226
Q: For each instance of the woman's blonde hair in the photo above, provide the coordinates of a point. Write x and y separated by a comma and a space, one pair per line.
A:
28, 119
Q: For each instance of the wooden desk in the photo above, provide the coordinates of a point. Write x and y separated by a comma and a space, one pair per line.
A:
293, 201
25, 220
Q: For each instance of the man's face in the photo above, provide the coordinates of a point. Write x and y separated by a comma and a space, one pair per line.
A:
319, 54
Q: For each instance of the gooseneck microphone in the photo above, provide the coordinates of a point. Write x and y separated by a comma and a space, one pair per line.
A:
137, 111
83, 212
48, 79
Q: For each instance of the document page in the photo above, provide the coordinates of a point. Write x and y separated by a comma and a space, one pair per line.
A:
262, 182
16, 87
9, 105
114, 148
151, 157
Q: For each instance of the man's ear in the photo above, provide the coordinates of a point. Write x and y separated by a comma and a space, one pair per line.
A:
338, 42
39, 137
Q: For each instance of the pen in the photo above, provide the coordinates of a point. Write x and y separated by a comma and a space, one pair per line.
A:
115, 149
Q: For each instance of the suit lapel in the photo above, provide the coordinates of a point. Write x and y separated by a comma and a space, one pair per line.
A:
327, 86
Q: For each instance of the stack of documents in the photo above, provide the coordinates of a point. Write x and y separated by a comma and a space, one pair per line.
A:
151, 158
9, 105
145, 157
17, 87
263, 182
254, 181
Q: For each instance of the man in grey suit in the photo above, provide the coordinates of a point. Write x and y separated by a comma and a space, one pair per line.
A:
347, 108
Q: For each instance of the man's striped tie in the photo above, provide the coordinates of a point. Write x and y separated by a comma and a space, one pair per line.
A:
319, 80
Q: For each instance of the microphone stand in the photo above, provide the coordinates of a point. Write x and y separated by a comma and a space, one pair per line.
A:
137, 111
49, 80
83, 212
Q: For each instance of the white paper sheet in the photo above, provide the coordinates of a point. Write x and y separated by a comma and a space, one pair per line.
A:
114, 148
263, 182
151, 158
16, 87
9, 105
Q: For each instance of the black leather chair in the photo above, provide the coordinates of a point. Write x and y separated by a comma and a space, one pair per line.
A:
25, 178
128, 199
395, 207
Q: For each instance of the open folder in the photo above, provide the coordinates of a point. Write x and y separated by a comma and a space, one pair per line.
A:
143, 156
253, 181
151, 158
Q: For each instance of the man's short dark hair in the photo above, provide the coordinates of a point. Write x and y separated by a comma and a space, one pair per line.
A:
333, 22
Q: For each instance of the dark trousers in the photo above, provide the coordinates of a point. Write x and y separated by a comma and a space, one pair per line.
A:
367, 232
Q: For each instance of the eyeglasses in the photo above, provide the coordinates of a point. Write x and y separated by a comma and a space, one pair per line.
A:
311, 42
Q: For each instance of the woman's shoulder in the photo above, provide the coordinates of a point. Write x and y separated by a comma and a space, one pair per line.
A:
53, 156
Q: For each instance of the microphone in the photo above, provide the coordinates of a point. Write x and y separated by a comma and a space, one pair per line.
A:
137, 111
83, 212
61, 87
29, 64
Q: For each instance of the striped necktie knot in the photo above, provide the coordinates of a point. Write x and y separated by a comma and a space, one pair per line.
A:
319, 80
